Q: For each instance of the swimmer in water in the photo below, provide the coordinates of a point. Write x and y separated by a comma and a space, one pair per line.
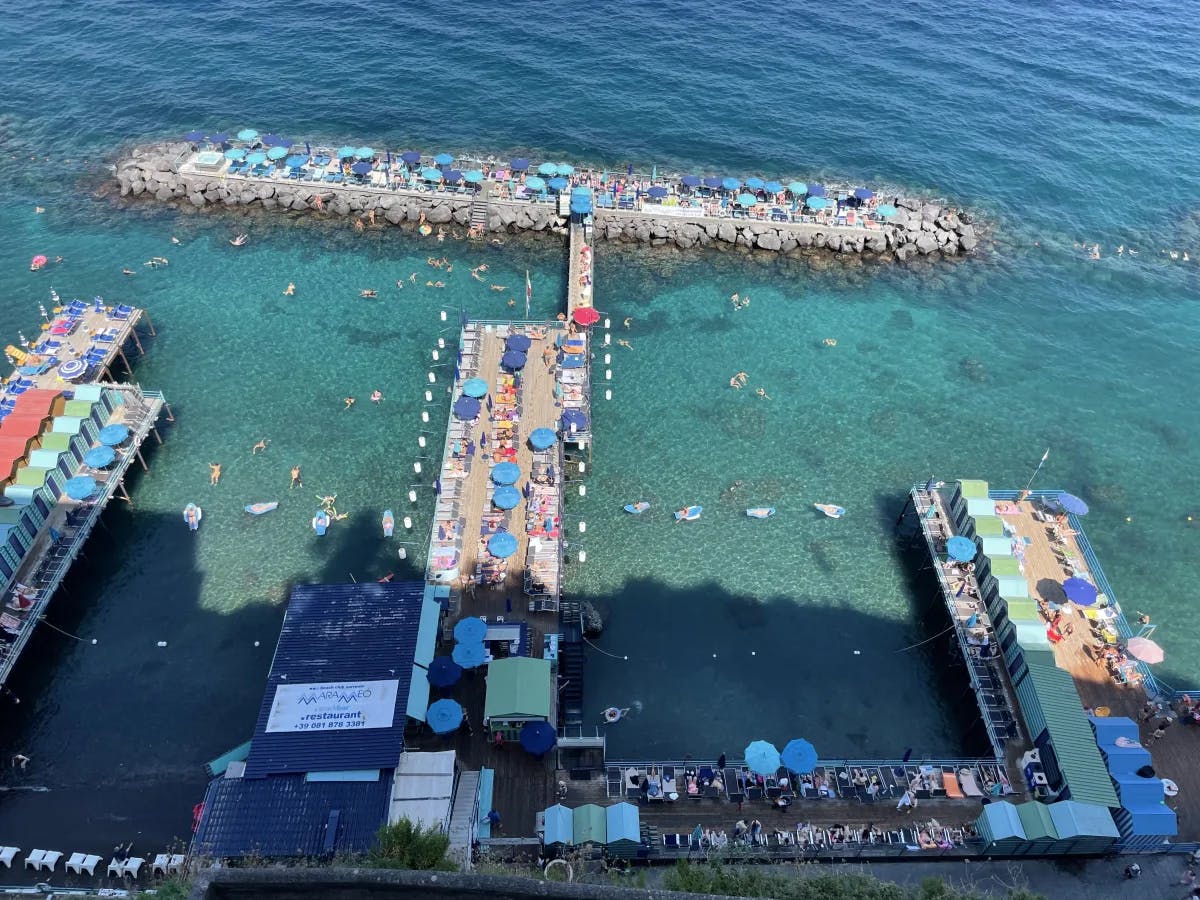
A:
735, 384
376, 395
412, 278
736, 298
742, 378
239, 240
475, 274
1121, 250
441, 234
400, 284
830, 342
39, 209
371, 217
214, 473
259, 447
499, 287
512, 302
349, 401
337, 516
327, 500
628, 321
175, 240
358, 224
290, 290
128, 272
762, 393
624, 343
296, 482
368, 293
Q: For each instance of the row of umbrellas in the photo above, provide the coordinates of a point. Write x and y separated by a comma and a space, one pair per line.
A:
798, 756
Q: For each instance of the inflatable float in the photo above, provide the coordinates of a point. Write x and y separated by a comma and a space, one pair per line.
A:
761, 512
192, 514
613, 715
830, 509
689, 514
320, 522
389, 523
257, 509
636, 509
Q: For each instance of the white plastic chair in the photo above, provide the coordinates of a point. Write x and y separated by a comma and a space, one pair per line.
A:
133, 865
34, 860
176, 864
83, 862
116, 868
7, 854
161, 861
50, 859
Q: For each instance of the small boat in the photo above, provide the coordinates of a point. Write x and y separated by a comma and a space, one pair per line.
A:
320, 522
761, 512
689, 514
830, 509
389, 523
257, 509
636, 509
192, 514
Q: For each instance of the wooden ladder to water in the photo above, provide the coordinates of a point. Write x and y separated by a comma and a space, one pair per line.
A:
480, 208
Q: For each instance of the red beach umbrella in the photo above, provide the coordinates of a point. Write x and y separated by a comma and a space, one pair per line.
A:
585, 315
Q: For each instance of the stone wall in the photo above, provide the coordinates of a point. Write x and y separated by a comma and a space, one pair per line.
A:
918, 228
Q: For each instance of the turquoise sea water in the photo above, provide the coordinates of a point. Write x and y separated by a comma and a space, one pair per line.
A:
1059, 126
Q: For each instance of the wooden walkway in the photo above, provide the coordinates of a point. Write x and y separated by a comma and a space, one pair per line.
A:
1176, 753
92, 328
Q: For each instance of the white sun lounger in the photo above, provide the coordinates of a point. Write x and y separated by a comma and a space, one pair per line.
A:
82, 862
39, 859
7, 854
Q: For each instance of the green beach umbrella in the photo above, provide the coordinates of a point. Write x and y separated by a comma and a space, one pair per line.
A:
277, 153
799, 188
247, 134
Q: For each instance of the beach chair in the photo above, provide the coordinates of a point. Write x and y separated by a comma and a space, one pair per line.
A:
83, 862
133, 866
7, 854
48, 860
159, 866
950, 784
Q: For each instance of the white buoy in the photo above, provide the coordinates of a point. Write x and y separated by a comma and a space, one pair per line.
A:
858, 653
412, 496
162, 643
441, 343
607, 339
608, 374
425, 416
421, 441
94, 641
256, 643
583, 490
429, 396
608, 359
583, 467
432, 378
417, 468
608, 323
608, 393
443, 315
582, 527
434, 353
408, 523
574, 428
404, 553
583, 556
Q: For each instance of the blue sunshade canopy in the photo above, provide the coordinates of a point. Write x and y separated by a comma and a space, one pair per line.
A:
469, 656
730, 184
816, 203
364, 152
1080, 591
538, 737
564, 169
690, 180
799, 756
513, 359
444, 716
961, 549
466, 408
361, 168
746, 200
431, 174
502, 545
113, 434
863, 193
542, 438
247, 134
519, 342
277, 153
755, 184
194, 136
256, 157
520, 164
575, 419
762, 758
886, 210
506, 497
452, 176
712, 181
80, 487
219, 138
1072, 504
443, 159
475, 387
470, 630
473, 176
547, 169
799, 188
506, 473
443, 672
270, 140
534, 183
235, 153
816, 190
773, 187
99, 457
658, 192
346, 152
411, 157
295, 162
557, 183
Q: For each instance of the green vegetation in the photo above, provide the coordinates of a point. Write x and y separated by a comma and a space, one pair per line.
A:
741, 882
176, 887
408, 846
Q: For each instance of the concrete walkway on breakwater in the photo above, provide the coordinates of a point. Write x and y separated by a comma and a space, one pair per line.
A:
177, 172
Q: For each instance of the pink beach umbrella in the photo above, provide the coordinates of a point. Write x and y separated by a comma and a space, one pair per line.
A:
1145, 649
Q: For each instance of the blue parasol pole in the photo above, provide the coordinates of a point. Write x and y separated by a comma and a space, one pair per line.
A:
1038, 469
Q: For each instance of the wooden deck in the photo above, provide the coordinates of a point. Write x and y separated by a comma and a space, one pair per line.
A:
1175, 755
92, 323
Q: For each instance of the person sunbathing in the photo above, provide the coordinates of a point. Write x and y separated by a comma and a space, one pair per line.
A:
368, 293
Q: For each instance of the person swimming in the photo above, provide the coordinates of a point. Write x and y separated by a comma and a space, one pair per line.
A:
175, 240
214, 473
628, 321
259, 447
239, 240
128, 272
624, 343
349, 401
290, 290
499, 287
296, 482
830, 342
762, 393
735, 384
368, 293
376, 396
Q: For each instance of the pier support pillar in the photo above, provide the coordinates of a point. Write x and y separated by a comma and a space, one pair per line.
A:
124, 493
149, 323
170, 415
157, 436
128, 367
136, 342
904, 512
138, 454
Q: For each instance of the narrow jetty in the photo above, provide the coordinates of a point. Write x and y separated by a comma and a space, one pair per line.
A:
684, 211
68, 435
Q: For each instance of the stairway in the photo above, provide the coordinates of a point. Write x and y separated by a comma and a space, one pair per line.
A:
570, 674
480, 210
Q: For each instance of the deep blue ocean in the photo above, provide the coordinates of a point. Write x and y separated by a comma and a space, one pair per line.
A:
1064, 126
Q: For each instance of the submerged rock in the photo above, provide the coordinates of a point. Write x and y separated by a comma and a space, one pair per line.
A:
593, 624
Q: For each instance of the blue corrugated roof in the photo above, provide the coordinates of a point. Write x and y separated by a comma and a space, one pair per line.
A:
287, 816
340, 633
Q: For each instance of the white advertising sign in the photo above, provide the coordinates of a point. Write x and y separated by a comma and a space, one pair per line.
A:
333, 706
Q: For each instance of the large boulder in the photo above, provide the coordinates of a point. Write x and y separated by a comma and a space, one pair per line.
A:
269, 202
593, 624
930, 212
137, 187
968, 242
299, 204
907, 203
819, 240
438, 215
768, 240
396, 216
263, 191
727, 232
903, 251
462, 215
196, 199
926, 243
876, 243
833, 242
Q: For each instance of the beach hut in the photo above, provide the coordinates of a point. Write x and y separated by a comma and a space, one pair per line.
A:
1108, 729
1000, 827
589, 824
519, 690
624, 830
1145, 828
1083, 828
1040, 833
558, 828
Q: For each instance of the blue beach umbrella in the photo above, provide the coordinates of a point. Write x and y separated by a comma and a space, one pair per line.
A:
690, 181
469, 656
961, 549
235, 153
816, 203
1072, 504
556, 183
444, 716
364, 152
564, 169
762, 758
466, 408
730, 184
773, 187
452, 176
520, 164
863, 193
443, 672
799, 188
475, 387
799, 756
538, 738
502, 545
506, 473
519, 342
277, 153
295, 162
219, 138
886, 210
443, 159
472, 176
547, 168
410, 157
256, 158
755, 184
99, 457
361, 168
746, 200
270, 140
431, 174
712, 181
113, 434
507, 497
513, 359
535, 184
657, 192
574, 419
247, 134
80, 487
470, 630
194, 136
542, 438
345, 152
816, 190
1079, 591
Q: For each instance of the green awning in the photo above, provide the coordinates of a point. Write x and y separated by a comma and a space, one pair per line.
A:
1036, 820
1031, 635
34, 476
88, 392
590, 823
972, 488
989, 526
79, 408
1005, 565
518, 687
1023, 610
56, 440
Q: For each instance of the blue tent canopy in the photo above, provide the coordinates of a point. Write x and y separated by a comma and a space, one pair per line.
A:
431, 174
1072, 504
755, 184
816, 190
519, 342
466, 408
219, 137
816, 203
1080, 591
473, 176
277, 153
863, 193
470, 630
658, 192
520, 164
559, 826
961, 549
513, 359
730, 184
557, 183
346, 152
799, 756
538, 737
452, 176
542, 438
410, 157
113, 434
80, 487
574, 418
444, 716
506, 497
247, 134
99, 457
475, 387
534, 183
690, 180
506, 473
193, 136
469, 656
361, 168
762, 758
235, 153
444, 672
443, 159
773, 187
502, 545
